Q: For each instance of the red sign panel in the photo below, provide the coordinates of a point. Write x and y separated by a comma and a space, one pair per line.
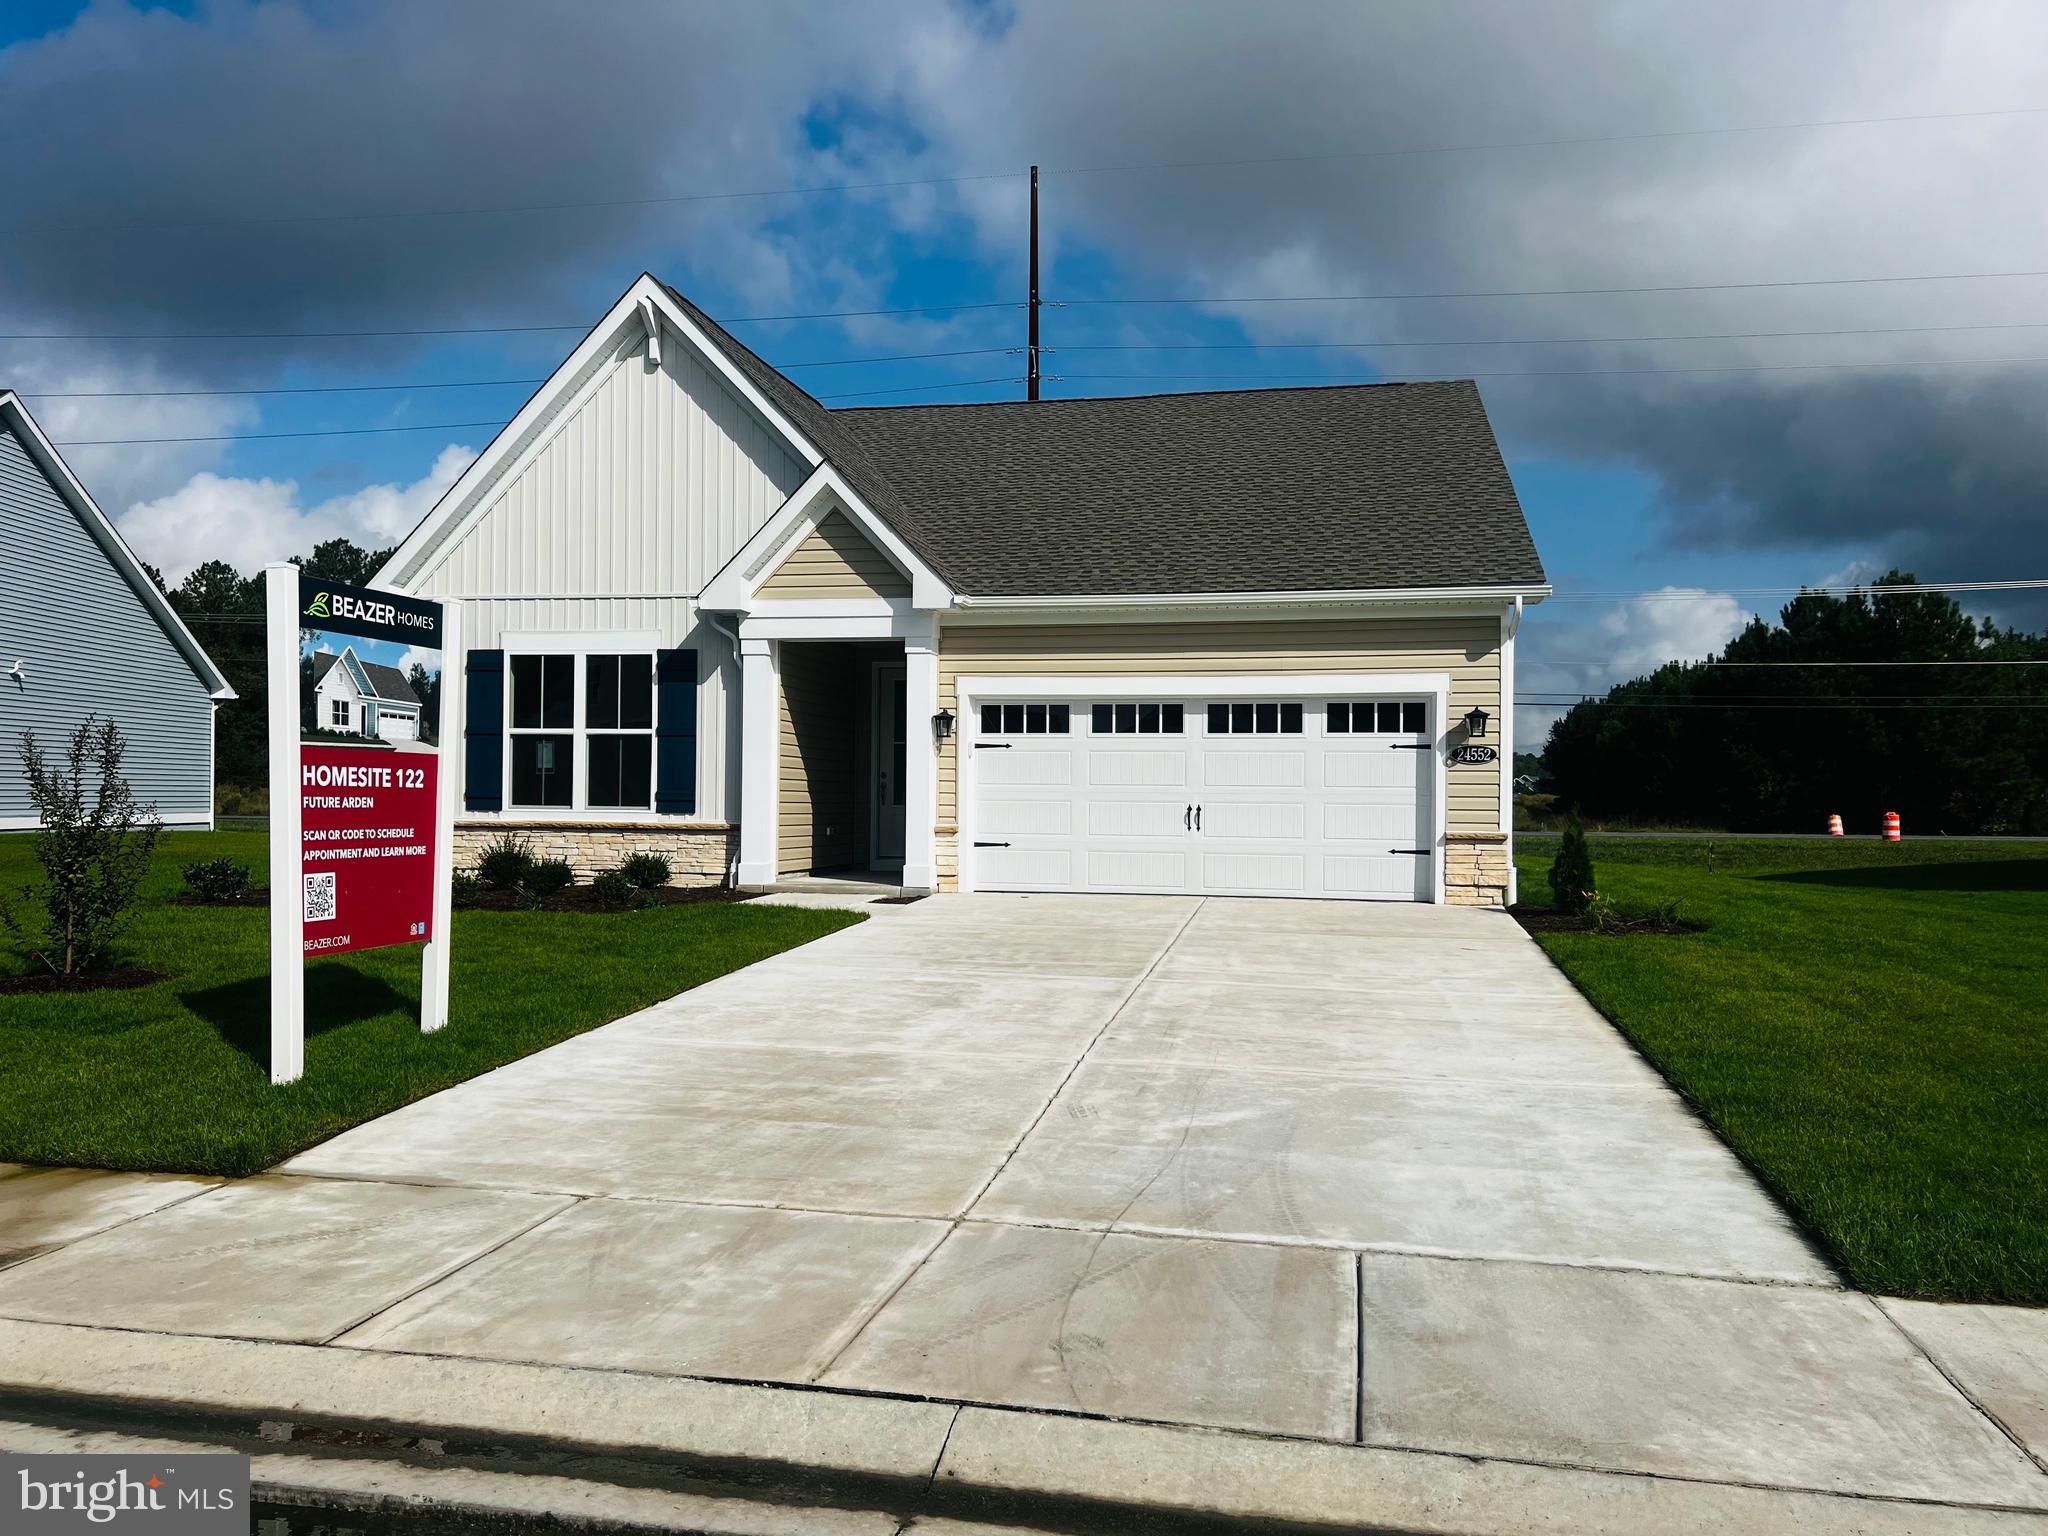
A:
367, 840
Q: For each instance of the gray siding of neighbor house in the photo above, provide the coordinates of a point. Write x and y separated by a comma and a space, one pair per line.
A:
91, 646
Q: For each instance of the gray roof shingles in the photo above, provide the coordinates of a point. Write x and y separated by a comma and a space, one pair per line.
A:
1341, 488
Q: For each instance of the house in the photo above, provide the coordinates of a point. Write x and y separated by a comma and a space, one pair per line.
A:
363, 698
85, 631
1247, 643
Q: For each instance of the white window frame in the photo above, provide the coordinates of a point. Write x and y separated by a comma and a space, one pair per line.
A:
578, 647
346, 714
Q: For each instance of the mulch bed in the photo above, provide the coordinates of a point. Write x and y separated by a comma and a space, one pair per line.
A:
118, 980
578, 898
1549, 920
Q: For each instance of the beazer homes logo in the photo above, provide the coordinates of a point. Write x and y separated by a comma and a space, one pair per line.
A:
339, 605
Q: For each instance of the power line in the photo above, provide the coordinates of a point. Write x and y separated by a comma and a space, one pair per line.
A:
982, 305
356, 389
1867, 588
1536, 341
911, 389
246, 437
468, 330
1551, 661
1559, 373
322, 389
1556, 293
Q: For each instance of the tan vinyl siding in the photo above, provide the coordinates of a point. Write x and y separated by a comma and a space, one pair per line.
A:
819, 822
836, 560
1466, 648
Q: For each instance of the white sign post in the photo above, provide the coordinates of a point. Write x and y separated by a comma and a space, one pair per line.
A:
362, 788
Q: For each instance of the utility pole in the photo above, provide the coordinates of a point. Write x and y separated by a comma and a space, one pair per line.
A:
1031, 366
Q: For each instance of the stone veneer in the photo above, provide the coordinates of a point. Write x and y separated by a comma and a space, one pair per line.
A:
946, 858
1476, 869
699, 855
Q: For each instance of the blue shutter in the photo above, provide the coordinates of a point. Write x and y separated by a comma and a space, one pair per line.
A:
483, 732
675, 732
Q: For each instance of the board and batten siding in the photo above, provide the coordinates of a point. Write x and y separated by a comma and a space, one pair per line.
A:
633, 501
836, 560
1468, 649
91, 647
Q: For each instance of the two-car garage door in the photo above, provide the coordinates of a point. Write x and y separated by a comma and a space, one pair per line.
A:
1282, 795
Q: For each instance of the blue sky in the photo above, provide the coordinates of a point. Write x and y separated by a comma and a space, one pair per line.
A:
236, 167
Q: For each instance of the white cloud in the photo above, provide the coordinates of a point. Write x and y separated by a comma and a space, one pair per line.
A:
1560, 658
252, 522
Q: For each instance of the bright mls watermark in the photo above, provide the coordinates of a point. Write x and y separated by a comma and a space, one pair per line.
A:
200, 1495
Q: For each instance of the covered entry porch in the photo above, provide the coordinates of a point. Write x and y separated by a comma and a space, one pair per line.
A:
837, 756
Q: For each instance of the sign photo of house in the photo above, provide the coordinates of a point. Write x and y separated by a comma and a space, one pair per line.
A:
357, 691
1247, 642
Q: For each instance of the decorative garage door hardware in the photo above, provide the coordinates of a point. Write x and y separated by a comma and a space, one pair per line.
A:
1414, 853
980, 844
1410, 746
995, 746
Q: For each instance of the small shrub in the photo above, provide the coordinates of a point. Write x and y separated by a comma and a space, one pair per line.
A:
613, 890
1571, 872
94, 844
544, 877
219, 880
505, 863
465, 889
647, 870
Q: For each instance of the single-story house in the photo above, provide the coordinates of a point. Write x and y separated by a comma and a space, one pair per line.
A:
363, 698
1254, 642
85, 631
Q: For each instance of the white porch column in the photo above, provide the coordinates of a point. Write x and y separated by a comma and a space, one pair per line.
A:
921, 763
760, 746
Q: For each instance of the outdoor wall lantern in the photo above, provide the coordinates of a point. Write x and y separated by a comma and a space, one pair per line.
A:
1475, 723
942, 725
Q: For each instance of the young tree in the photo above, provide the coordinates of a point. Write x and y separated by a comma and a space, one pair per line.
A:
95, 846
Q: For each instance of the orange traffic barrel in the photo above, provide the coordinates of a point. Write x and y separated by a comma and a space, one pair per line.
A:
1891, 826
1834, 826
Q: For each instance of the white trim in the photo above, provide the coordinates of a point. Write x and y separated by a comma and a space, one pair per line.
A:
625, 326
733, 588
435, 957
181, 823
577, 642
832, 608
116, 549
971, 691
760, 766
900, 626
920, 766
1366, 596
1510, 626
287, 919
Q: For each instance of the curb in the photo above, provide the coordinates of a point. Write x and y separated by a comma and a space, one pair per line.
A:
524, 1444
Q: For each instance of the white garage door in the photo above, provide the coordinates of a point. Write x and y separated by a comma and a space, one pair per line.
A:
1307, 796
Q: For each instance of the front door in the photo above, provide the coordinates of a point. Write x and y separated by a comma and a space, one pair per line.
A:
891, 739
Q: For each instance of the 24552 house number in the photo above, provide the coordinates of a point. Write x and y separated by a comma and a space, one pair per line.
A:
1472, 752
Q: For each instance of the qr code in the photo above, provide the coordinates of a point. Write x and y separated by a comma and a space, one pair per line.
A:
320, 897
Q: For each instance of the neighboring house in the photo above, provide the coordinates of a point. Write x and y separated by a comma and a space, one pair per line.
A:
83, 631
1216, 643
364, 698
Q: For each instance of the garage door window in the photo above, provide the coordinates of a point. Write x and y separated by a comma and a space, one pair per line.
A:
1025, 719
1136, 719
1385, 717
1260, 718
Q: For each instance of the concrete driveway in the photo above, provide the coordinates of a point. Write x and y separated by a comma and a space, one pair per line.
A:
1347, 1172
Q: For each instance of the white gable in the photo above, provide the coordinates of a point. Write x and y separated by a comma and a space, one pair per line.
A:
645, 487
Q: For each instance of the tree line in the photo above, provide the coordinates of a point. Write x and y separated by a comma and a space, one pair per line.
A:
225, 610
1777, 731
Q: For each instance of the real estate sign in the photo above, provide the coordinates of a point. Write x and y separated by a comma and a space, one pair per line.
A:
361, 823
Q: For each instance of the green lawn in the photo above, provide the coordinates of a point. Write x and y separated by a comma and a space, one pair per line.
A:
1866, 1024
173, 1076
